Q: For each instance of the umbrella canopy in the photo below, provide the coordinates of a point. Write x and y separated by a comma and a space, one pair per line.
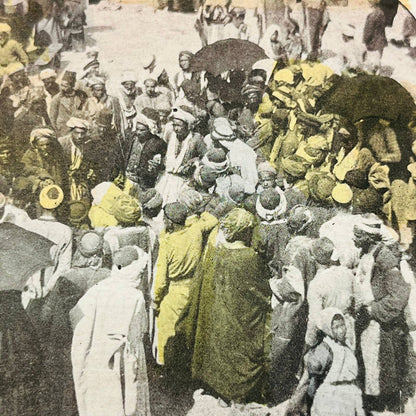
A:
367, 96
22, 253
226, 55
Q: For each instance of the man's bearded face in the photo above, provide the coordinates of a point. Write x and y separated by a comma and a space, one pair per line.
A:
43, 145
181, 129
98, 91
48, 82
130, 87
5, 156
150, 88
141, 132
66, 87
79, 136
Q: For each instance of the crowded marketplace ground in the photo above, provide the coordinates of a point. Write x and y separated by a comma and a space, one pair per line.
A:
207, 209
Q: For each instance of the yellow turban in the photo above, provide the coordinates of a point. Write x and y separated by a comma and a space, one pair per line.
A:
236, 223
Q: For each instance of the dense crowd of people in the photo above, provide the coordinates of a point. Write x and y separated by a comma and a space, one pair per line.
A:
226, 230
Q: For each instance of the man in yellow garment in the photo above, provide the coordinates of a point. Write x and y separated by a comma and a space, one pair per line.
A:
181, 245
12, 55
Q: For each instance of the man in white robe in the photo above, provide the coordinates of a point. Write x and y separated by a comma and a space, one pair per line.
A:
108, 357
184, 149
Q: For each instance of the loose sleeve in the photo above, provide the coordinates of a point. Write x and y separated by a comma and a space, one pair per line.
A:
54, 111
392, 305
394, 154
82, 319
319, 360
20, 53
31, 162
207, 222
161, 284
315, 308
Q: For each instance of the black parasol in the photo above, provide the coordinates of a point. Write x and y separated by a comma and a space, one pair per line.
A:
226, 55
368, 96
22, 253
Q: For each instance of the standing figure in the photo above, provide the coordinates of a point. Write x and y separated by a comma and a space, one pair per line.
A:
316, 19
179, 254
145, 157
374, 38
74, 22
108, 356
11, 52
65, 104
381, 296
185, 59
127, 95
184, 148
230, 346
212, 16
21, 358
100, 100
237, 29
81, 174
51, 87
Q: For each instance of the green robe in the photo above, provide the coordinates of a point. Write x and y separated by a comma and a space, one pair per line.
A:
230, 348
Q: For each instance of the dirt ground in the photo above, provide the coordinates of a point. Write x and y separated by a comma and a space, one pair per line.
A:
126, 36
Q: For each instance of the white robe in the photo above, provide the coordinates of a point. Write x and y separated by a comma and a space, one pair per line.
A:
170, 183
243, 161
107, 343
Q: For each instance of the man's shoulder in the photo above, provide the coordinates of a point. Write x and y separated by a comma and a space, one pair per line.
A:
65, 141
157, 140
11, 43
56, 97
376, 14
82, 95
385, 258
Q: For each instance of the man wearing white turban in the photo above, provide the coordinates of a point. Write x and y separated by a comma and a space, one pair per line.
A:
381, 297
11, 52
109, 324
145, 159
80, 168
184, 148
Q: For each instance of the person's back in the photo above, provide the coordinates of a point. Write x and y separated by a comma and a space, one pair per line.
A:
112, 323
231, 358
179, 254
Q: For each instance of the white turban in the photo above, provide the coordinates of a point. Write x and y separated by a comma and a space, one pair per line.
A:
128, 76
179, 114
47, 73
75, 122
41, 132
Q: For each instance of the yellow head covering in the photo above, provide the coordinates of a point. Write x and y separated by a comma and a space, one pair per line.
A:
236, 222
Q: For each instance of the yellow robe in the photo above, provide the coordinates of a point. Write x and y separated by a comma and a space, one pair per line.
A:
179, 255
